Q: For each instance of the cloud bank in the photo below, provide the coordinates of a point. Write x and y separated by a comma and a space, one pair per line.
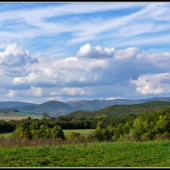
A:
87, 73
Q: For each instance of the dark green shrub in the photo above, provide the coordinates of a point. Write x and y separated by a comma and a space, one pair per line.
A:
57, 133
34, 132
74, 136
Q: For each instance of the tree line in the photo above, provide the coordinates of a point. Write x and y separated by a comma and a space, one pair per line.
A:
62, 121
148, 126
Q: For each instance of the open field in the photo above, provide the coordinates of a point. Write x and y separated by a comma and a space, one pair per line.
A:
12, 118
6, 135
12, 113
97, 154
7, 118
83, 132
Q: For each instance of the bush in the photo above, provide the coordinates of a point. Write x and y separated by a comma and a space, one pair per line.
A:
35, 132
74, 136
101, 133
164, 136
57, 133
22, 131
146, 136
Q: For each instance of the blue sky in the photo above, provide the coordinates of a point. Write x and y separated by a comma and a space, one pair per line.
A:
84, 51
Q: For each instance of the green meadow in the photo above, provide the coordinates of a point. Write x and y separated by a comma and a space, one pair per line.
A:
97, 154
83, 132
6, 135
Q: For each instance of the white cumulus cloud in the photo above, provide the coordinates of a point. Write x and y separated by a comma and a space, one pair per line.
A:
80, 76
14, 56
153, 84
36, 91
69, 91
11, 93
87, 51
131, 52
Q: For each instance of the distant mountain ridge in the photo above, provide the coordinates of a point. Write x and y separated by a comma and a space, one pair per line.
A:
10, 104
90, 105
56, 108
53, 108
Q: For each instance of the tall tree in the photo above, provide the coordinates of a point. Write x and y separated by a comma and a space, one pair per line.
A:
45, 115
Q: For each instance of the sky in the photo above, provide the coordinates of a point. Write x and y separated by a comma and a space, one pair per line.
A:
84, 51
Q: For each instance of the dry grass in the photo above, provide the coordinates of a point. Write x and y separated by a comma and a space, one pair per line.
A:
6, 118
11, 142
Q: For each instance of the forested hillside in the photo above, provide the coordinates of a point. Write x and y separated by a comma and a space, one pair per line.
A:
91, 105
122, 110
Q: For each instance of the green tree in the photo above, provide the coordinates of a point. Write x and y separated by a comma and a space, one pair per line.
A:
22, 131
45, 115
118, 131
137, 129
42, 131
75, 137
163, 124
85, 125
29, 118
57, 132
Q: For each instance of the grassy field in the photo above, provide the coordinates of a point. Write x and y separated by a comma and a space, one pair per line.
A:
97, 154
6, 135
18, 116
83, 132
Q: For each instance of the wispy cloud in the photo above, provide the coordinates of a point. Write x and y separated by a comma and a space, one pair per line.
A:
36, 23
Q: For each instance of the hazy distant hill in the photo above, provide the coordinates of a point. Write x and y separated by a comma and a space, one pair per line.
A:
122, 110
8, 112
55, 108
9, 104
13, 113
90, 105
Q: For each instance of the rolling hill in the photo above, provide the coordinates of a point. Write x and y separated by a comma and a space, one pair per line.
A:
56, 108
91, 105
122, 110
53, 108
10, 104
13, 113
